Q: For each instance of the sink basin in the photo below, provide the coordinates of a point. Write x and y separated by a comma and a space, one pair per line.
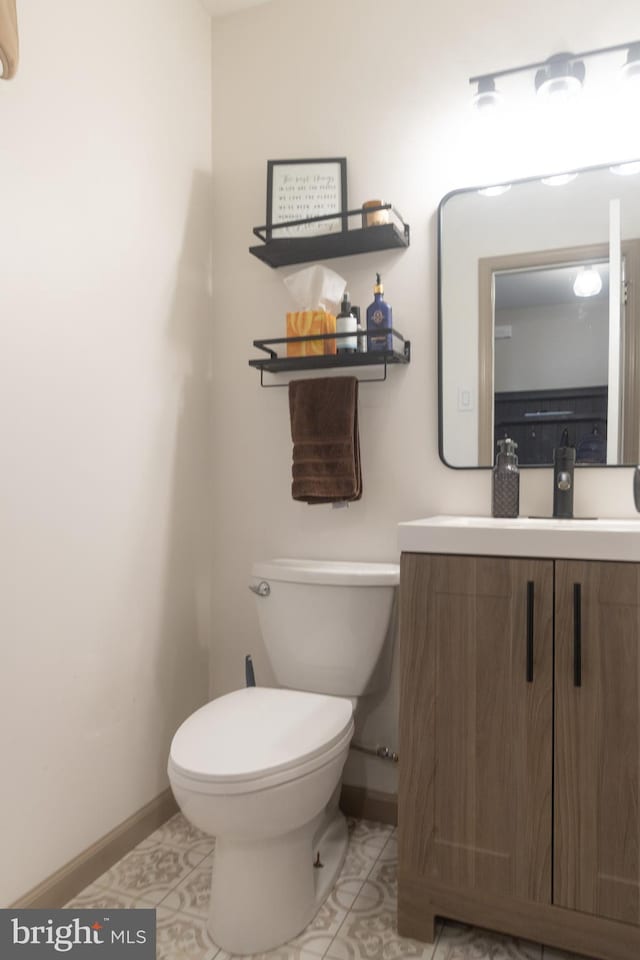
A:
523, 537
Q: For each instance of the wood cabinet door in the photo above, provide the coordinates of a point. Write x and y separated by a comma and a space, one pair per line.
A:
475, 805
597, 754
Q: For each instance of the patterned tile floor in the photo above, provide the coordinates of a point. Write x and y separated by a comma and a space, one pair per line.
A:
171, 870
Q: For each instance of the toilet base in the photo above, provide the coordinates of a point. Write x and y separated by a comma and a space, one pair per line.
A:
265, 892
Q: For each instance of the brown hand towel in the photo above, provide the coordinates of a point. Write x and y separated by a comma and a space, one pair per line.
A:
326, 444
8, 38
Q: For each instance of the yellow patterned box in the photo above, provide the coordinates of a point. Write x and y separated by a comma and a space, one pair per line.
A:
304, 323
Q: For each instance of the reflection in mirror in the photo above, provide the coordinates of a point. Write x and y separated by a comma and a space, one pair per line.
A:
538, 320
551, 351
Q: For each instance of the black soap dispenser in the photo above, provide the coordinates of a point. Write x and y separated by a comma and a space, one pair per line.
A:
505, 499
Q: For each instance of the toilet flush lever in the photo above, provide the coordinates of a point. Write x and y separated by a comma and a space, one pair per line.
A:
263, 589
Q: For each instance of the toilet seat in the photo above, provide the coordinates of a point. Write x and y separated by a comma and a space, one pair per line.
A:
258, 737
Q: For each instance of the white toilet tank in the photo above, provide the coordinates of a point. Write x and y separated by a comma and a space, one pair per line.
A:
325, 622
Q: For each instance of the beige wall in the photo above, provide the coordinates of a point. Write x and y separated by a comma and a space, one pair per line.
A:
104, 416
384, 84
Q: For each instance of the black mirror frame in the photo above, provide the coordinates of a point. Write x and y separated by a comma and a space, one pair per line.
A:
448, 196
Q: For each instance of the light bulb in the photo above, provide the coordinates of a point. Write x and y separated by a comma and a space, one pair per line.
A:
495, 191
588, 282
559, 180
626, 169
560, 88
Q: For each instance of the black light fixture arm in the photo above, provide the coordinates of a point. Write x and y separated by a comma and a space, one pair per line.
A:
558, 57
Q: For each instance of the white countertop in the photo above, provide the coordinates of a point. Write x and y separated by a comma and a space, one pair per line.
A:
523, 537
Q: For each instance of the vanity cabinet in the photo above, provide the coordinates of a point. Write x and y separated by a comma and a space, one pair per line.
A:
597, 742
520, 749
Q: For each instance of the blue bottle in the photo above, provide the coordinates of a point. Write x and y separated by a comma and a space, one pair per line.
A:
379, 316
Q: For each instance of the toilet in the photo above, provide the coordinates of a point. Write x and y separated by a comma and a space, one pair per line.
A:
260, 768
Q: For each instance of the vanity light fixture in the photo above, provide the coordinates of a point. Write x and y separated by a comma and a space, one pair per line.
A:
558, 77
588, 282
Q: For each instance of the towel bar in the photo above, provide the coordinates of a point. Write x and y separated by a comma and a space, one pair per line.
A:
359, 379
334, 361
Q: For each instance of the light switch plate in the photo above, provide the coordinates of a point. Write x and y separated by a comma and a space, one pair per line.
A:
465, 399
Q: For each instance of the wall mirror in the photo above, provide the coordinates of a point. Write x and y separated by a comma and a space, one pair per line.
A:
539, 318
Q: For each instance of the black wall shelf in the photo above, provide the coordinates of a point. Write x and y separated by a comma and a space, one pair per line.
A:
282, 251
330, 361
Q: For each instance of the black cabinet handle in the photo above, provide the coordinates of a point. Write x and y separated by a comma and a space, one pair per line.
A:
577, 635
530, 598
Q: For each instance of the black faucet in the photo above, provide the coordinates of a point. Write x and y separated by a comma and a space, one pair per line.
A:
564, 461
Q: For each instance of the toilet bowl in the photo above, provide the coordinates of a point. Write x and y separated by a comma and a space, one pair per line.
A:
260, 768
263, 789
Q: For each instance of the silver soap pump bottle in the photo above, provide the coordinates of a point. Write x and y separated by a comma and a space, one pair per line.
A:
505, 498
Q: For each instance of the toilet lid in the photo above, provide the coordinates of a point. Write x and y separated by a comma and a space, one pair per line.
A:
257, 731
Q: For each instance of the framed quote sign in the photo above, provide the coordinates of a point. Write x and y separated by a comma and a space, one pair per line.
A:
299, 189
